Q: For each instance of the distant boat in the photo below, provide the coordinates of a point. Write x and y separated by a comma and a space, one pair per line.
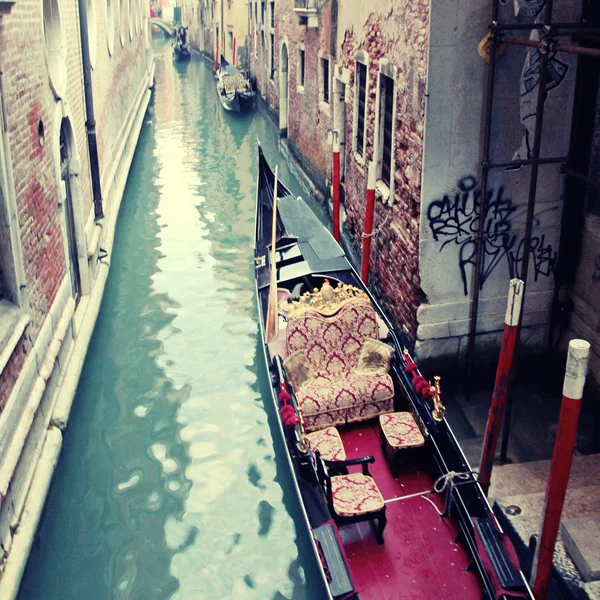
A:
365, 436
181, 51
234, 90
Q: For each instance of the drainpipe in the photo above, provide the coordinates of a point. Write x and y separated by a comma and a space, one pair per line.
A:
90, 123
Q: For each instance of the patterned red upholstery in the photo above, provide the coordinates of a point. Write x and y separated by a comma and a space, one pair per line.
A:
355, 494
329, 444
337, 395
401, 430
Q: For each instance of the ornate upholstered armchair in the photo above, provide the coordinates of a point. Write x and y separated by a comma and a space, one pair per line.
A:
352, 497
336, 363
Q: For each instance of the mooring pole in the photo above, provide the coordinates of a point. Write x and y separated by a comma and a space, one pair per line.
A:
368, 223
336, 186
217, 56
560, 467
507, 350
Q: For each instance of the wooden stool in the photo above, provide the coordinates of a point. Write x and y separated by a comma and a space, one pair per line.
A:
399, 431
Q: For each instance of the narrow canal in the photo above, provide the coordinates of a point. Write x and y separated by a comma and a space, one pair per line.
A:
169, 484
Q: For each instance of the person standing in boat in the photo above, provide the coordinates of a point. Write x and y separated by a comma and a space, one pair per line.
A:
182, 34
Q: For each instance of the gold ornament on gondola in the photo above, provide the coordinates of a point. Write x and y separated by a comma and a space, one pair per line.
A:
439, 410
303, 443
327, 301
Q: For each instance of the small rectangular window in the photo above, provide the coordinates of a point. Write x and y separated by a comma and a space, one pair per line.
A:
273, 15
262, 11
387, 115
301, 67
262, 41
361, 72
272, 55
231, 40
325, 70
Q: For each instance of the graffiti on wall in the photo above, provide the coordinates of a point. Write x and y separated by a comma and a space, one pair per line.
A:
454, 221
556, 72
527, 8
530, 76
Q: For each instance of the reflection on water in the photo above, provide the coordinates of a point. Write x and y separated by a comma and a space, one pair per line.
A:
169, 484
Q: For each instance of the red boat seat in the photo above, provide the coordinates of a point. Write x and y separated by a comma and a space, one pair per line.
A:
339, 387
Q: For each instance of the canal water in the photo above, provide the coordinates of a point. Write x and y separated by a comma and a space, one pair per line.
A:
169, 484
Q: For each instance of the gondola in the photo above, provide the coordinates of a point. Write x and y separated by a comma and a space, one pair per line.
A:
392, 507
233, 89
181, 51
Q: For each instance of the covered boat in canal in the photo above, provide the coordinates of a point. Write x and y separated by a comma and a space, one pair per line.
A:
392, 506
233, 89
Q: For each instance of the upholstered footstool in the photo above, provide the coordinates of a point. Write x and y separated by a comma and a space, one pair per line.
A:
399, 432
329, 444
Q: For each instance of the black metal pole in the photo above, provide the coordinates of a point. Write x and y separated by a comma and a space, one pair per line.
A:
90, 123
553, 47
523, 163
487, 134
535, 158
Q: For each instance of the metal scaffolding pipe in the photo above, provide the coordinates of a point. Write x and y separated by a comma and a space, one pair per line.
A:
535, 158
524, 163
553, 47
487, 134
577, 175
555, 26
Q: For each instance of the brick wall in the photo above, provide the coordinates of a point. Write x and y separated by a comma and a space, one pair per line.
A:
28, 100
400, 36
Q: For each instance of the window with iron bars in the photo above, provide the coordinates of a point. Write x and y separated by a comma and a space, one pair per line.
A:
301, 67
386, 94
272, 55
325, 72
361, 78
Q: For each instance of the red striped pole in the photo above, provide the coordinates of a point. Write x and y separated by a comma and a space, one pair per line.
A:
234, 45
368, 223
507, 351
566, 436
336, 186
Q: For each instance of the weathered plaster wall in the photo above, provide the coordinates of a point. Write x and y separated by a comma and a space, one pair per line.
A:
448, 220
585, 318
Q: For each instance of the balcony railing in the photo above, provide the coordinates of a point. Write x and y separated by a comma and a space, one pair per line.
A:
306, 6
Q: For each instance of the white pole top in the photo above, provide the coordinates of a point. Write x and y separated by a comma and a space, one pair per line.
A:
515, 302
372, 176
336, 141
576, 370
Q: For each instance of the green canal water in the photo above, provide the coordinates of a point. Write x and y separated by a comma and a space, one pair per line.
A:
169, 484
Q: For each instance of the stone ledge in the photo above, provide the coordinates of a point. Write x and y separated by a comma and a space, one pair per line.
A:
581, 538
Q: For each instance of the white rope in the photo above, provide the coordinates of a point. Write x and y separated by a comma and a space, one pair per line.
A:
376, 231
449, 478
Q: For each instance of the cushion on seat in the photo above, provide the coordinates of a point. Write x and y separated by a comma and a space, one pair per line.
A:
401, 430
355, 494
327, 401
338, 393
329, 444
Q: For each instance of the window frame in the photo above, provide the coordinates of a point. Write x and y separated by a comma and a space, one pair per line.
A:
324, 81
362, 58
301, 68
385, 191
